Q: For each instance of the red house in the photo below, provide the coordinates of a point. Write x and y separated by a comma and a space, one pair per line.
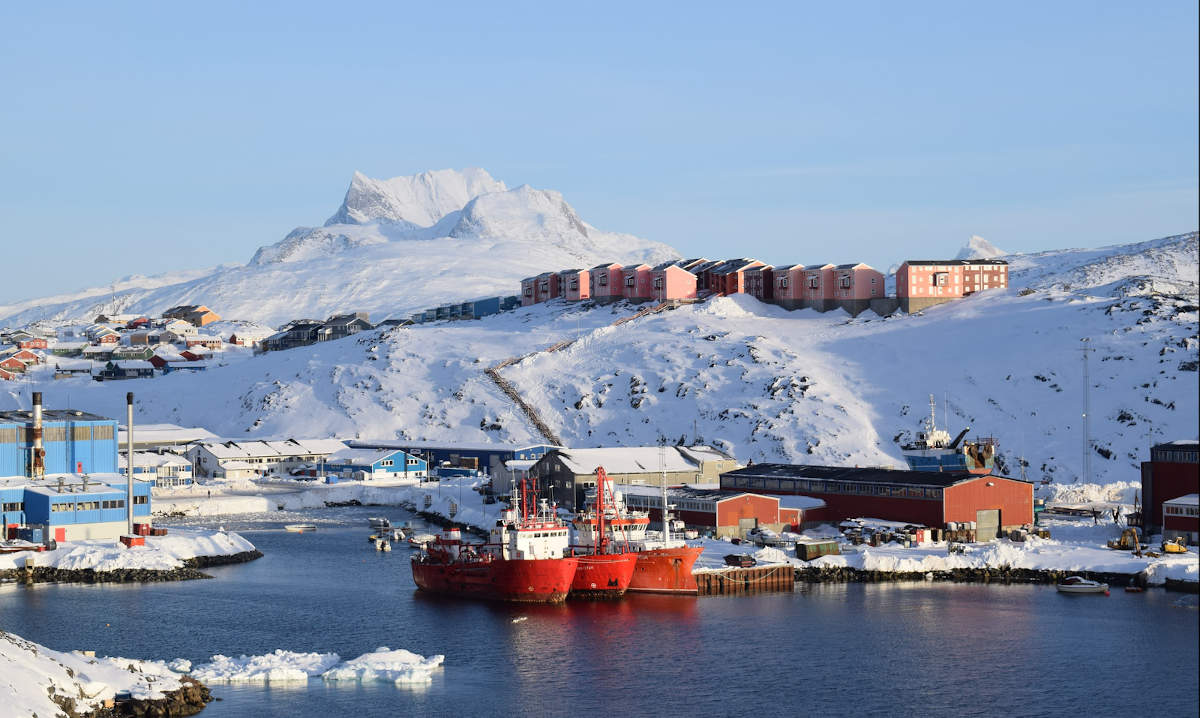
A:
575, 284
605, 282
760, 283
109, 339
12, 364
138, 323
528, 285
636, 283
1172, 471
788, 280
729, 277
7, 375
817, 290
855, 286
671, 281
35, 343
545, 287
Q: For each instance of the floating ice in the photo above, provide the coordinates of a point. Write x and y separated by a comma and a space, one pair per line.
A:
383, 664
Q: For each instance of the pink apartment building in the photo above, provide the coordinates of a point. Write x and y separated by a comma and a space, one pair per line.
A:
606, 282
816, 290
575, 284
635, 283
670, 280
759, 283
922, 283
855, 285
547, 287
787, 281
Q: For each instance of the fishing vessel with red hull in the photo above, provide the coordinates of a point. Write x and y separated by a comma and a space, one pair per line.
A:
664, 564
525, 559
605, 566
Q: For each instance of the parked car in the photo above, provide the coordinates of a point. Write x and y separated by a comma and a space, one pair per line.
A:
741, 560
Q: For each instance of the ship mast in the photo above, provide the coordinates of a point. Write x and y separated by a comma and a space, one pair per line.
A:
662, 462
601, 535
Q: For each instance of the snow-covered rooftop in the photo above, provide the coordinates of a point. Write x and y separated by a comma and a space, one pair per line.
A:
633, 459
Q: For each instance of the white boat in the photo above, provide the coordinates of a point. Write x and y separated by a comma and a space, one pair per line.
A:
379, 523
383, 545
1079, 584
419, 540
300, 528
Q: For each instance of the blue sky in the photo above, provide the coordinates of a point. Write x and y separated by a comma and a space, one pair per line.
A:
155, 137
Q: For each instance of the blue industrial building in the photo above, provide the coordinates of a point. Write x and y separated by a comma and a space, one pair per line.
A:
73, 508
377, 463
483, 457
74, 441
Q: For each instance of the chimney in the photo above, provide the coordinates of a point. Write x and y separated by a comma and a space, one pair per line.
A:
129, 462
37, 458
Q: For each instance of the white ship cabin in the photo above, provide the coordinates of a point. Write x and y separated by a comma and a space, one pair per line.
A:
536, 537
621, 523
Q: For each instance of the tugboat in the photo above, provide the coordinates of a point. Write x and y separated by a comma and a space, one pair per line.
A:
663, 565
524, 559
934, 450
606, 567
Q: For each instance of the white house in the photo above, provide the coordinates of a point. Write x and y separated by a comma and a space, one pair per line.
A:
216, 459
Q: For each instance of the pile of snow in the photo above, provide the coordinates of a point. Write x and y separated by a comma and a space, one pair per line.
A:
1117, 492
35, 680
161, 553
383, 664
979, 248
278, 667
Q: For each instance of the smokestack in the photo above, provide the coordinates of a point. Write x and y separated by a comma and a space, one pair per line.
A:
37, 463
129, 462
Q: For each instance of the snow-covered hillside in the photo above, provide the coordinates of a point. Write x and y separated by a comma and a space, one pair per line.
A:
393, 247
762, 382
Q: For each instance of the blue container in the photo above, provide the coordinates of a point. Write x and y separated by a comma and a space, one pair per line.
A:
331, 479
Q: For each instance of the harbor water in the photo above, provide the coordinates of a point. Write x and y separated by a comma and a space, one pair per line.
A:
868, 649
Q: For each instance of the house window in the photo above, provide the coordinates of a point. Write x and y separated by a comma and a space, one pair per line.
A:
872, 280
545, 286
658, 283
629, 281
846, 282
783, 282
604, 280
574, 284
14, 506
386, 462
529, 291
941, 279
814, 283
140, 500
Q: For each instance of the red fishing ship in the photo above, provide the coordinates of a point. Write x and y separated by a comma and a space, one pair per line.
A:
606, 567
664, 564
525, 558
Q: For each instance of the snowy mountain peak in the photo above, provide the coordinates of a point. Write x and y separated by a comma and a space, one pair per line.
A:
979, 248
521, 212
418, 200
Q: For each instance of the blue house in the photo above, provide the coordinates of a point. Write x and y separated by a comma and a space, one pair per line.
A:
489, 458
74, 441
376, 464
78, 508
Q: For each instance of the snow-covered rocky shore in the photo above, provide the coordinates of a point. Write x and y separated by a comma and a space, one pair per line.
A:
38, 681
1073, 548
384, 664
175, 556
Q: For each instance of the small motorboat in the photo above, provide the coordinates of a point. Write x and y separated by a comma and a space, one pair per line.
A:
300, 528
379, 523
1134, 589
420, 540
1079, 584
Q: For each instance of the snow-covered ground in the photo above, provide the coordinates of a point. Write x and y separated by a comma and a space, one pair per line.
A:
32, 675
1073, 546
161, 553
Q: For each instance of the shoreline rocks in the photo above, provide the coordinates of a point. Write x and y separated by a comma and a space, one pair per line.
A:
843, 574
187, 700
188, 572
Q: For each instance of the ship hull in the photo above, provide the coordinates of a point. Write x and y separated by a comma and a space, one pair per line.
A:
526, 581
603, 576
665, 570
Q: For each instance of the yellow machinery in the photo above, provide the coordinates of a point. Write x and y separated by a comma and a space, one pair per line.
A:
1129, 541
1174, 546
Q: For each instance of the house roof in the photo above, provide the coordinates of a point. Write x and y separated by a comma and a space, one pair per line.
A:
852, 266
289, 447
636, 459
133, 364
788, 267
362, 457
861, 475
733, 265
1186, 500
165, 434
609, 265
814, 267
961, 262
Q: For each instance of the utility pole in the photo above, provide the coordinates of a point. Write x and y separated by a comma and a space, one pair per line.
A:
1087, 449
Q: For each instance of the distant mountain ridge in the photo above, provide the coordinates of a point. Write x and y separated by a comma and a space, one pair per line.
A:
979, 248
392, 247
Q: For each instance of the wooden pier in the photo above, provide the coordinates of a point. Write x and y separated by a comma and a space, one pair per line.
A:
739, 581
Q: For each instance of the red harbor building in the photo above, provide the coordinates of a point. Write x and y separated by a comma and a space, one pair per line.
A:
929, 498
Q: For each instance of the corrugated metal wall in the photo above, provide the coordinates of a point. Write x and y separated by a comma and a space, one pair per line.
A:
1014, 499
